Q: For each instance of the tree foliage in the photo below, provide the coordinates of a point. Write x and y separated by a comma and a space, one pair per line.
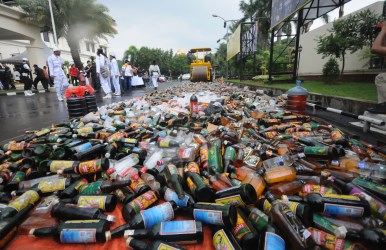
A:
74, 20
143, 57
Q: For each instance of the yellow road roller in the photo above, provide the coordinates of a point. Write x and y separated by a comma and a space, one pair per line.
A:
201, 65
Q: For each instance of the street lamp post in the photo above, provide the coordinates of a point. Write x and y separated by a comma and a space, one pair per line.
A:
53, 23
300, 49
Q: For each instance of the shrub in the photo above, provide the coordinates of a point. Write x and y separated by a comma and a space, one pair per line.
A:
331, 71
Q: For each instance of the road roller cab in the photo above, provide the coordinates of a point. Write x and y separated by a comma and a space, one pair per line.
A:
200, 65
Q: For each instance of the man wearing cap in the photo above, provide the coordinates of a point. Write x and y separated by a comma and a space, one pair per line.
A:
26, 78
55, 64
115, 74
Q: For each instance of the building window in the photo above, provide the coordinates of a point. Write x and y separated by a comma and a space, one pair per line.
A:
46, 37
92, 47
87, 46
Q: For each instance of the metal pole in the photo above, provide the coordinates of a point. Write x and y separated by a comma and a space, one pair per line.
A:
227, 68
299, 25
53, 23
271, 57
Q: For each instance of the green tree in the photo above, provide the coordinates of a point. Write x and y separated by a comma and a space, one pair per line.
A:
219, 59
344, 38
74, 20
131, 52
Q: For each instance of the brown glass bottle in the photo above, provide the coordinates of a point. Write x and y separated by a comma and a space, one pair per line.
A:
293, 230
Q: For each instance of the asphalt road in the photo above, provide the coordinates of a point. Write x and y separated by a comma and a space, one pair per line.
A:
20, 113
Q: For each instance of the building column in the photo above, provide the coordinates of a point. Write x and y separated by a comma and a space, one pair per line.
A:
36, 53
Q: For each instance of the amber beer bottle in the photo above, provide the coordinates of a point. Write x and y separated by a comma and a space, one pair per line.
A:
157, 245
333, 204
181, 232
294, 231
215, 182
140, 203
242, 195
224, 239
106, 202
83, 232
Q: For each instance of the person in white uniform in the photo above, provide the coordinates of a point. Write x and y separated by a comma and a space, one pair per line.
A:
55, 66
154, 72
102, 70
115, 74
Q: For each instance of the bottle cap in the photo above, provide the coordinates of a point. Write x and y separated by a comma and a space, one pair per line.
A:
110, 171
129, 233
134, 176
31, 232
129, 239
111, 218
143, 170
108, 235
107, 155
60, 171
340, 232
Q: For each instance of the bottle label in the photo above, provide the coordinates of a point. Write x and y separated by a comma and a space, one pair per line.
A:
344, 197
83, 147
323, 223
19, 176
164, 143
309, 188
230, 153
46, 204
29, 197
327, 240
52, 186
241, 228
258, 219
16, 146
234, 200
164, 246
172, 169
208, 216
178, 227
143, 201
267, 206
343, 210
89, 167
129, 140
152, 216
316, 151
92, 188
92, 201
221, 241
191, 185
84, 235
60, 165
273, 242
171, 195
85, 130
292, 206
137, 185
252, 161
370, 185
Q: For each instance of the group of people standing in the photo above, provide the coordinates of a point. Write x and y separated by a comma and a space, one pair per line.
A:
104, 73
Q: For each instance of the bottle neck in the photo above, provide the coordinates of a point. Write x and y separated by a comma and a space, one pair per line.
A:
136, 244
138, 234
42, 232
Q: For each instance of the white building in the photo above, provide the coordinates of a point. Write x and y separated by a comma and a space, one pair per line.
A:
312, 63
20, 39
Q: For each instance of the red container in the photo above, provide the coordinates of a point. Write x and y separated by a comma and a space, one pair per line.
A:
297, 99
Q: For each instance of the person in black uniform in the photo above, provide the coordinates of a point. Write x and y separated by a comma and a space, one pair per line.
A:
40, 77
26, 78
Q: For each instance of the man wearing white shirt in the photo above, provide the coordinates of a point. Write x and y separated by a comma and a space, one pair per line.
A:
127, 72
115, 74
55, 65
102, 70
